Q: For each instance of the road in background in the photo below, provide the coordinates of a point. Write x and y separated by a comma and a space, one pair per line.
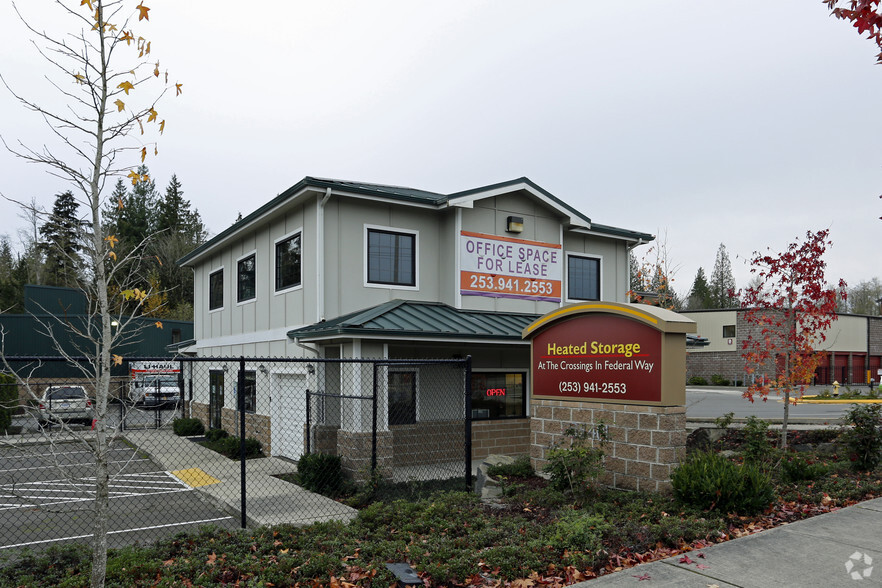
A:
710, 403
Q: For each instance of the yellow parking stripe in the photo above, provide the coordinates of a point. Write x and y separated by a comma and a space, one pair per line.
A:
195, 477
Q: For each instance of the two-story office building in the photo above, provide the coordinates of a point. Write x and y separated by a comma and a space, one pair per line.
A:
337, 269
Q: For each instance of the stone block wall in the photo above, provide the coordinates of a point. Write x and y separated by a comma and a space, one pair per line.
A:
355, 449
428, 442
503, 437
645, 442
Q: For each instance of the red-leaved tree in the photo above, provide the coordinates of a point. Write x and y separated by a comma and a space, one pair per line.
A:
789, 307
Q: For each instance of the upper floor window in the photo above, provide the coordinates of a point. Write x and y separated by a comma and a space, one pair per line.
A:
288, 262
245, 278
391, 257
583, 278
216, 290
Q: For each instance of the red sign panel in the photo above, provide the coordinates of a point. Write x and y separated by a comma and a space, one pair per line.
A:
598, 357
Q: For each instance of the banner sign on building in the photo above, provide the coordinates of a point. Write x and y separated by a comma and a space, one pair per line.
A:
598, 357
503, 267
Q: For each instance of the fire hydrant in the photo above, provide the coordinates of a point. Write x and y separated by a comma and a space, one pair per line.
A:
835, 388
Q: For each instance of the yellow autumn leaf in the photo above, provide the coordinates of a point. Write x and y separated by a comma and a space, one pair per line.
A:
119, 203
127, 37
120, 105
158, 324
134, 176
147, 48
151, 115
80, 78
161, 126
87, 3
178, 89
143, 10
156, 70
143, 154
140, 124
117, 359
112, 255
110, 27
111, 240
126, 86
155, 149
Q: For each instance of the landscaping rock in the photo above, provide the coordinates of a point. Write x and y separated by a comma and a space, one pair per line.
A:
487, 487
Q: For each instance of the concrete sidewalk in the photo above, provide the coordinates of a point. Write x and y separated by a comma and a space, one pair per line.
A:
833, 549
270, 501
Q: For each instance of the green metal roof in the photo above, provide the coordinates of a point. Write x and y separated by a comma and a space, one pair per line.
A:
407, 195
419, 320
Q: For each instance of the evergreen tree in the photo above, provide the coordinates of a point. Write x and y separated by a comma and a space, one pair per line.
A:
178, 231
700, 295
722, 283
11, 285
62, 242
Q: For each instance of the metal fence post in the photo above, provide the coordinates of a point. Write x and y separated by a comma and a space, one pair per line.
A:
308, 422
374, 424
241, 402
468, 422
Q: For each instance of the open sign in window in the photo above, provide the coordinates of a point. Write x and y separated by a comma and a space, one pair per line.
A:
498, 395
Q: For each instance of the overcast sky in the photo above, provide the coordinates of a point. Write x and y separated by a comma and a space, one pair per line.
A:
743, 122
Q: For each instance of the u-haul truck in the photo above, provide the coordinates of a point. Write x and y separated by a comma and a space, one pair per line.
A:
155, 382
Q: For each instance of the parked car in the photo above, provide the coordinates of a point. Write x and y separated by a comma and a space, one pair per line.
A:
64, 403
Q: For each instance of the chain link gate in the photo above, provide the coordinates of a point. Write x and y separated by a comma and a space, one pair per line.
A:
225, 451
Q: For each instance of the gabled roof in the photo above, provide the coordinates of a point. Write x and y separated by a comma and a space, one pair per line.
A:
411, 319
416, 197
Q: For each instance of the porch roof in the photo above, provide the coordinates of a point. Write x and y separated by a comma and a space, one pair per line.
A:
411, 319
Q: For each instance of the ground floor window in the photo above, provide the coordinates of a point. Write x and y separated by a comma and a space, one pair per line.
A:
250, 391
402, 398
498, 395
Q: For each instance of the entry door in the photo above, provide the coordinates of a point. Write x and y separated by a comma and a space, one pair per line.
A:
288, 415
215, 399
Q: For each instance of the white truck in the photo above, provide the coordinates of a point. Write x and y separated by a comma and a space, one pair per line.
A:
155, 382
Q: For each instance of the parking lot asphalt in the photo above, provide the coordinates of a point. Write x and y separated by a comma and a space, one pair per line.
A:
47, 493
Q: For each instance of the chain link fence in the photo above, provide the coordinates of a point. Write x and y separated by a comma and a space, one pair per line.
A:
232, 442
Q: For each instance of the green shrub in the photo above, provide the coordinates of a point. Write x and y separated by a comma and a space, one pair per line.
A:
188, 427
321, 472
796, 469
864, 435
520, 468
756, 440
230, 446
575, 465
216, 434
697, 381
712, 482
580, 537
8, 400
718, 380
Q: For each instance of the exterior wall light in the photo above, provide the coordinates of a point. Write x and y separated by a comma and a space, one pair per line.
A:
514, 224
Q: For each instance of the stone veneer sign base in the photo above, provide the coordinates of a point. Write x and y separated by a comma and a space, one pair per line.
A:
621, 365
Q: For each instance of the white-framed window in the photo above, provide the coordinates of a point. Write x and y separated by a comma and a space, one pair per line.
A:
391, 258
402, 387
583, 276
216, 289
246, 278
287, 266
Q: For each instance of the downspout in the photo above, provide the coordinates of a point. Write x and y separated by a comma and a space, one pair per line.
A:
628, 265
320, 258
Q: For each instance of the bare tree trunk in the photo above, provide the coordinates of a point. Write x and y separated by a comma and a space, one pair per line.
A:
783, 442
